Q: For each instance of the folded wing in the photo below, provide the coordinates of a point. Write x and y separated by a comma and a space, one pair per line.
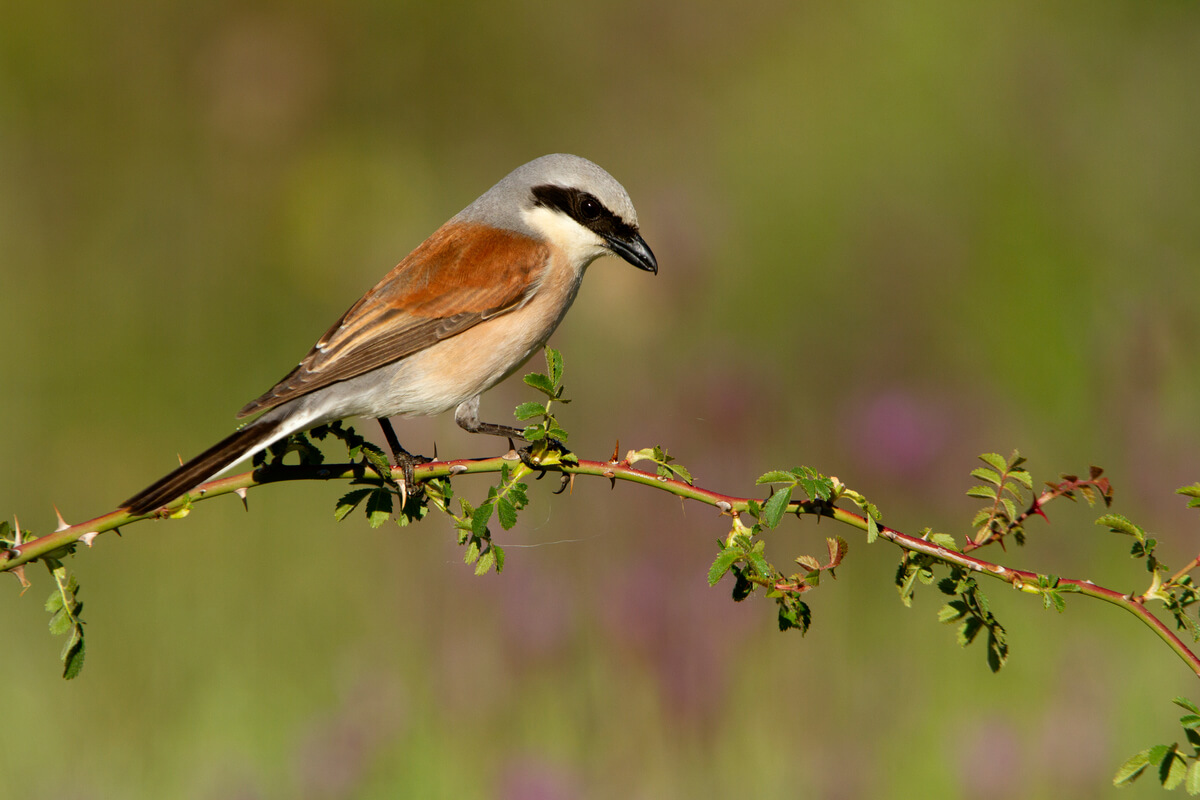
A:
461, 276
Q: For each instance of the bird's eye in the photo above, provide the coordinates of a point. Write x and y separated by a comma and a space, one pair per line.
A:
589, 208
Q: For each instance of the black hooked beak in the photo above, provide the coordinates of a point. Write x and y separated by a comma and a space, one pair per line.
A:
634, 250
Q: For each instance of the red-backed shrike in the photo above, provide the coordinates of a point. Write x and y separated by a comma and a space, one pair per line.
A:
463, 311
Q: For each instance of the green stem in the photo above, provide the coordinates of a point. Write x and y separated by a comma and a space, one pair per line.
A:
614, 470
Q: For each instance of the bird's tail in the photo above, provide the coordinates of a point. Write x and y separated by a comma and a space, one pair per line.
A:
224, 454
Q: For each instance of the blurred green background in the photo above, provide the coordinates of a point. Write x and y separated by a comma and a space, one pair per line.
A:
891, 236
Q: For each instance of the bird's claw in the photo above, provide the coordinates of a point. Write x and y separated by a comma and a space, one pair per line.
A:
544, 447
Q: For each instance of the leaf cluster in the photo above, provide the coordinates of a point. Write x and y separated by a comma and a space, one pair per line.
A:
818, 487
1094, 489
974, 612
64, 605
1177, 592
1193, 492
549, 383
742, 554
380, 495
504, 501
1003, 479
1172, 764
66, 611
299, 443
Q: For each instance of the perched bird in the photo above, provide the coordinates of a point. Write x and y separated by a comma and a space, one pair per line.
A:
462, 312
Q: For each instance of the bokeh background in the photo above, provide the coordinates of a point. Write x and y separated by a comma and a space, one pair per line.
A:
892, 236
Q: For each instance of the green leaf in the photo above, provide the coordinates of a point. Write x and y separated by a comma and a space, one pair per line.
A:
73, 655
776, 476
554, 365
907, 583
486, 562
540, 382
529, 410
506, 513
61, 622
815, 485
348, 502
517, 494
793, 613
760, 564
775, 506
379, 507
985, 492
952, 612
1172, 770
995, 461
944, 540
1192, 491
997, 648
377, 459
1182, 702
1051, 597
1192, 785
1120, 524
969, 630
1190, 721
872, 530
1022, 477
682, 472
724, 560
742, 586
985, 474
480, 518
1159, 752
1132, 769
55, 601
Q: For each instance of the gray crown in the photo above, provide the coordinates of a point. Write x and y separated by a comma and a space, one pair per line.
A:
501, 205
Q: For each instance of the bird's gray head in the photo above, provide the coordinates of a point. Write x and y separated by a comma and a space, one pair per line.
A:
570, 201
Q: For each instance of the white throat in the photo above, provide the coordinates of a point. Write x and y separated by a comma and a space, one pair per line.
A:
580, 245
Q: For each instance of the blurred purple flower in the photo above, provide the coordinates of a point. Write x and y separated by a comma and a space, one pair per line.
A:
897, 431
532, 778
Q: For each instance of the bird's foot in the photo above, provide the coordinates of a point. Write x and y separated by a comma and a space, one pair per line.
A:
545, 453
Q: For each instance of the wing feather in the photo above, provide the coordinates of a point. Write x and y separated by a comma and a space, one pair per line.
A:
460, 276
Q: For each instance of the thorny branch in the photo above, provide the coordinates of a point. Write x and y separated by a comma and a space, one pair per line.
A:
62, 540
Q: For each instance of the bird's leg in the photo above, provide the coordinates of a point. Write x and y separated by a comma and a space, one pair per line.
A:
401, 457
467, 417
